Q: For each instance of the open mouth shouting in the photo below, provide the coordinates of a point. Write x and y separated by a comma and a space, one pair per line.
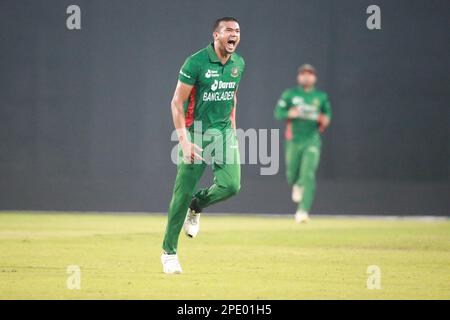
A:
231, 44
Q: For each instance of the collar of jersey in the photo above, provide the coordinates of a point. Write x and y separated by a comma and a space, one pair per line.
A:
303, 90
213, 56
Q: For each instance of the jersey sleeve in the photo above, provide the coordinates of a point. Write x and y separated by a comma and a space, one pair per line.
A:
326, 107
282, 107
189, 72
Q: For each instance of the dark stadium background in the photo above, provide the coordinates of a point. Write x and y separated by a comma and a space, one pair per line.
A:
86, 123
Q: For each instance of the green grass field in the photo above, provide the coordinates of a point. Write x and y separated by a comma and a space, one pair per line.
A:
234, 257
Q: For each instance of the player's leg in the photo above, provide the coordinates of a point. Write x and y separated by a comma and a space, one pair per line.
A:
292, 163
186, 181
227, 174
222, 150
227, 183
307, 179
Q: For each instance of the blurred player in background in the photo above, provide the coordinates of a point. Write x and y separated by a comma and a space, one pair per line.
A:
307, 113
203, 109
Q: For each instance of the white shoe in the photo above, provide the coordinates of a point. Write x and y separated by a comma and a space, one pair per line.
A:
301, 217
170, 263
297, 193
192, 224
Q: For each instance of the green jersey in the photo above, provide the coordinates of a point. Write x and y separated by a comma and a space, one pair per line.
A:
310, 104
214, 86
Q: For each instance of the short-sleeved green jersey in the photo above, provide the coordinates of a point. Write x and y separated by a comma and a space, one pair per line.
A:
310, 104
212, 98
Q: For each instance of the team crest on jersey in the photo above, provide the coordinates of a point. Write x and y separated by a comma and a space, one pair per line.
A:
234, 72
316, 102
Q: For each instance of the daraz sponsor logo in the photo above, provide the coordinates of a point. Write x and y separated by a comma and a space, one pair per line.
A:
222, 85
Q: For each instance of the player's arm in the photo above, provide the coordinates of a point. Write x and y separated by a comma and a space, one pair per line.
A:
284, 110
325, 115
190, 150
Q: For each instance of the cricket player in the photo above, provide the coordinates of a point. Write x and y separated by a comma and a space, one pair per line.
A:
203, 111
307, 113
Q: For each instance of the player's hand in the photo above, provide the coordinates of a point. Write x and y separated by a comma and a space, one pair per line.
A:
293, 113
191, 152
323, 122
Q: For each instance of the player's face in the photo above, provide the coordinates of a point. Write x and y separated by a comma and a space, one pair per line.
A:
306, 78
227, 36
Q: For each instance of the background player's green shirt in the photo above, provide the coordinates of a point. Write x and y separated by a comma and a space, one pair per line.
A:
310, 104
212, 97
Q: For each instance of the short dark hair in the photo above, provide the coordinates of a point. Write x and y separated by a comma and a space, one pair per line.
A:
224, 19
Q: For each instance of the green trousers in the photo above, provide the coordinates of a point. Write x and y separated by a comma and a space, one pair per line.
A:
302, 160
221, 152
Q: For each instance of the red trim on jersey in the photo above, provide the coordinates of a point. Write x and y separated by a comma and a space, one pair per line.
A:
233, 116
190, 109
288, 131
